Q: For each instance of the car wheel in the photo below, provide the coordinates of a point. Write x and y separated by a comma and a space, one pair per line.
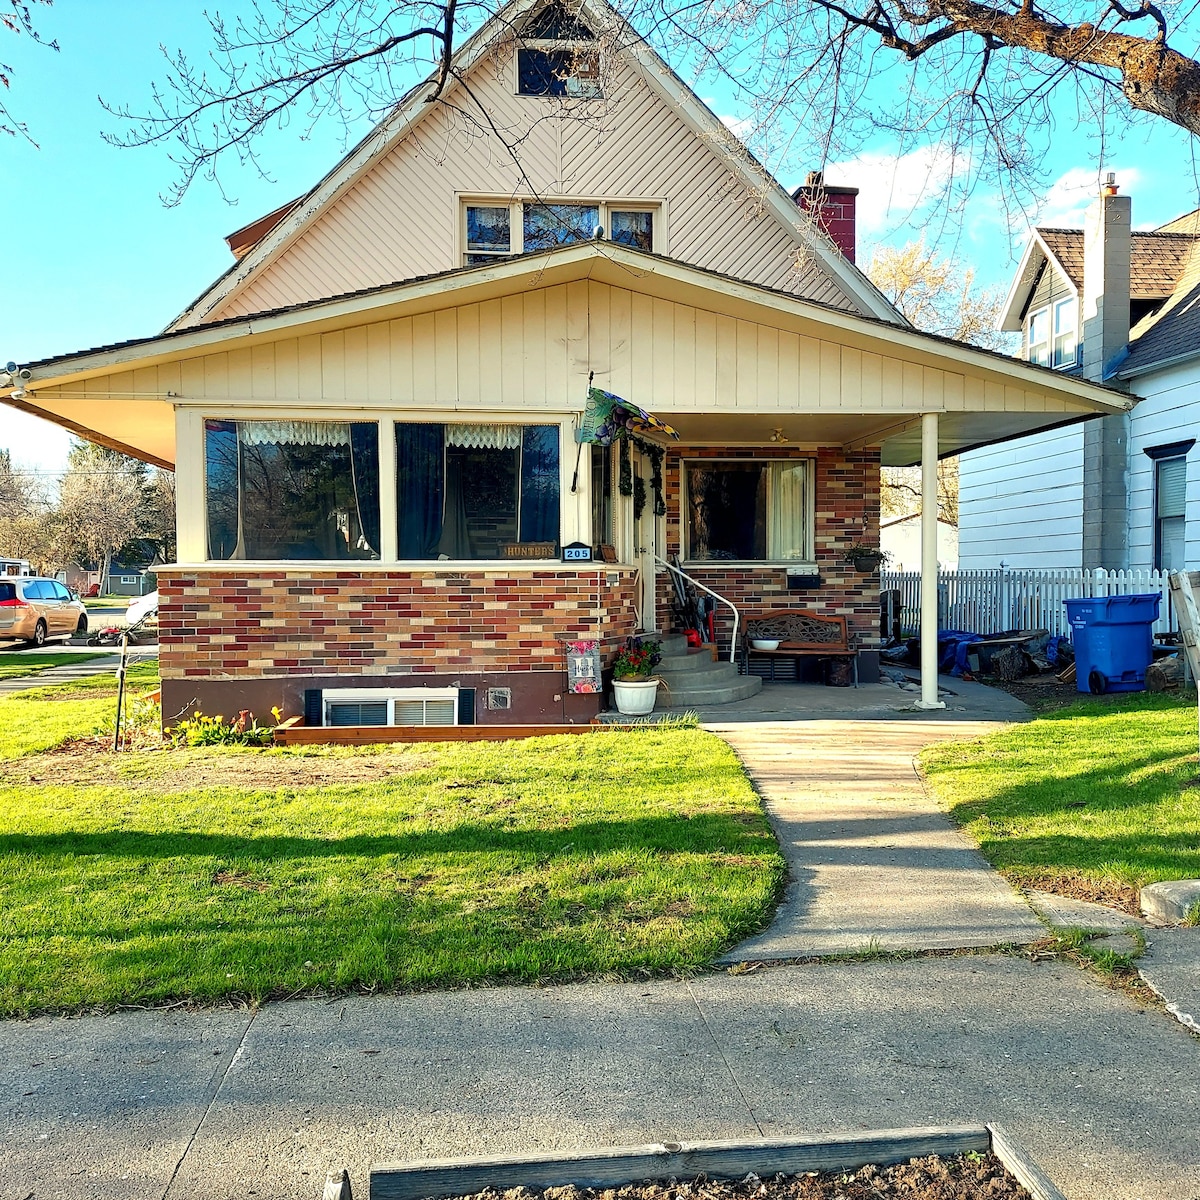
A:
39, 634
81, 628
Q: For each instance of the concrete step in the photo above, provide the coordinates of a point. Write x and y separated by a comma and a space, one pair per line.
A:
669, 643
692, 660
715, 675
741, 687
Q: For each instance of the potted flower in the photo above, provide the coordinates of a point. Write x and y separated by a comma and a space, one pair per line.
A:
633, 687
866, 558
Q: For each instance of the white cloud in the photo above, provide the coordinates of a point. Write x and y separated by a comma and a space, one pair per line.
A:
740, 126
893, 188
1068, 197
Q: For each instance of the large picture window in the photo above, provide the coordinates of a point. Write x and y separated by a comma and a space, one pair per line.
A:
477, 491
292, 489
749, 511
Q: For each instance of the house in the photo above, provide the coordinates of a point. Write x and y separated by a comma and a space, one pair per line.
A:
900, 537
374, 415
1114, 304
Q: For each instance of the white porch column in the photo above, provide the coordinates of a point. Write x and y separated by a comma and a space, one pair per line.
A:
929, 580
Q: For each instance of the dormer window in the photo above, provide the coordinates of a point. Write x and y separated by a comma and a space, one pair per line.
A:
557, 56
498, 229
1053, 336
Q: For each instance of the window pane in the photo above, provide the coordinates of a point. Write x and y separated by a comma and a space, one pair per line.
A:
547, 225
477, 491
788, 497
292, 489
1171, 534
727, 511
602, 507
488, 229
634, 229
1171, 487
543, 72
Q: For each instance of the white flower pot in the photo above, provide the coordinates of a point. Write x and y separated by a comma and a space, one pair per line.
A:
635, 697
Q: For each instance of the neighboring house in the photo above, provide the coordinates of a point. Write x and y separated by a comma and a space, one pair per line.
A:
373, 414
1118, 305
901, 538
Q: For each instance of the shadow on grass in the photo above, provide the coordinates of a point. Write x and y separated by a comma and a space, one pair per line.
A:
703, 833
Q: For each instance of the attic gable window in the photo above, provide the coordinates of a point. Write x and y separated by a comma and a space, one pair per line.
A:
497, 230
558, 56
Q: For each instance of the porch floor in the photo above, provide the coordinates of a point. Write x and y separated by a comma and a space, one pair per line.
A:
884, 701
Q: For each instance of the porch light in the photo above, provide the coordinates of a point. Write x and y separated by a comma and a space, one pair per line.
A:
777, 435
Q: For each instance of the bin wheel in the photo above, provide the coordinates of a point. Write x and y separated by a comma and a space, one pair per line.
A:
1096, 683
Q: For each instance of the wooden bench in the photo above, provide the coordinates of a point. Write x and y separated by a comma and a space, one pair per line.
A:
800, 634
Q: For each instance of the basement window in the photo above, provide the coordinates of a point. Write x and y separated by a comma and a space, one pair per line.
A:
342, 707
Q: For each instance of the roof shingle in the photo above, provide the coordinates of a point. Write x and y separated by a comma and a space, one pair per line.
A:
1157, 260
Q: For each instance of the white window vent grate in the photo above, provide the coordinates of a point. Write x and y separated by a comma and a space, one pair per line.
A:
379, 706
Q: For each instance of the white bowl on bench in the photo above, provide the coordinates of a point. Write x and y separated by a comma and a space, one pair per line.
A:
765, 643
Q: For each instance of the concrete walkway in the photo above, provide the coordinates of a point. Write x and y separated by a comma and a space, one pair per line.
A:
872, 861
216, 1104
53, 676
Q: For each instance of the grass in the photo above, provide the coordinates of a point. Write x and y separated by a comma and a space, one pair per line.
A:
139, 676
1099, 790
15, 664
162, 875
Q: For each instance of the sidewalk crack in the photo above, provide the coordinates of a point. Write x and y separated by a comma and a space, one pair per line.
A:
728, 1066
237, 1053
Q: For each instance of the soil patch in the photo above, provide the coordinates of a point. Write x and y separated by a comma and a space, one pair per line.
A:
953, 1177
90, 761
1109, 892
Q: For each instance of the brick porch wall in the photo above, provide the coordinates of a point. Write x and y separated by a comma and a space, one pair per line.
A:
846, 493
247, 624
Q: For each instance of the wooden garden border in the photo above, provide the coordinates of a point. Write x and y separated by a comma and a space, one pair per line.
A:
619, 1165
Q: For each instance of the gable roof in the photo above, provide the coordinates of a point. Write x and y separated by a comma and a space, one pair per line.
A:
1157, 261
125, 395
1172, 334
276, 236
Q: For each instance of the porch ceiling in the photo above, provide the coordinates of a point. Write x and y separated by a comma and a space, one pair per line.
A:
897, 434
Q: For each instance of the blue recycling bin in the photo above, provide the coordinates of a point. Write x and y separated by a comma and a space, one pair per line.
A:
1113, 641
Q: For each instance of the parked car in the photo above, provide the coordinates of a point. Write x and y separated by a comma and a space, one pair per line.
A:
142, 608
33, 610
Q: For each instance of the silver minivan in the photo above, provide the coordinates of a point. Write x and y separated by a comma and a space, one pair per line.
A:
33, 610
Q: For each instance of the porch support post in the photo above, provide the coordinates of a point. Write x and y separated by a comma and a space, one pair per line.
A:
929, 580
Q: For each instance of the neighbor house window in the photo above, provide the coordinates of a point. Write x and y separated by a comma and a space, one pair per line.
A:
497, 229
477, 491
1170, 487
1039, 337
749, 511
558, 56
1065, 337
292, 489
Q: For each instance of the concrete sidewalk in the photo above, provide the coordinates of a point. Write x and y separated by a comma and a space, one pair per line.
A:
54, 676
218, 1104
872, 861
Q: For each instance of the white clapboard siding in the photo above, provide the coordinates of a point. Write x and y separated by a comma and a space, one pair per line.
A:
1021, 503
399, 221
994, 601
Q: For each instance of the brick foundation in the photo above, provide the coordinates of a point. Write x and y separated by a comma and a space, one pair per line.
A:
223, 634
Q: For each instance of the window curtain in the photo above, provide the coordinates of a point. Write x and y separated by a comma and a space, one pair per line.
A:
420, 488
787, 535
539, 483
364, 470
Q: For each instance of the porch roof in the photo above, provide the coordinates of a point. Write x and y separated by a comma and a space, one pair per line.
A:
857, 382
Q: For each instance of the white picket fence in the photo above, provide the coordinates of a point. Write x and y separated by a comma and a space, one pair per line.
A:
997, 600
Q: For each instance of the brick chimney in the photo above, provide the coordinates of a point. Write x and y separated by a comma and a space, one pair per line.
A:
832, 208
1107, 248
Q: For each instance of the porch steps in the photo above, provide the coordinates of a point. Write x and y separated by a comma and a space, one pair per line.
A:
696, 681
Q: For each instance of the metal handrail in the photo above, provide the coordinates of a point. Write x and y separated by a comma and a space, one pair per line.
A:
715, 595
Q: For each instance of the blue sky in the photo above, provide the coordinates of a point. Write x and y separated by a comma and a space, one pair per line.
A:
91, 255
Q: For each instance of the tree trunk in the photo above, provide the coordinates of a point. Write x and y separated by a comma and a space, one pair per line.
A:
1165, 674
105, 565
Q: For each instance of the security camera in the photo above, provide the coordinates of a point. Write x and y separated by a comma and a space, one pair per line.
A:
598, 232
24, 373
10, 368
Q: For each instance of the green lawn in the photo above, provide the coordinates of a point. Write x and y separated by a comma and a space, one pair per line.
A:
250, 874
15, 663
1100, 790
